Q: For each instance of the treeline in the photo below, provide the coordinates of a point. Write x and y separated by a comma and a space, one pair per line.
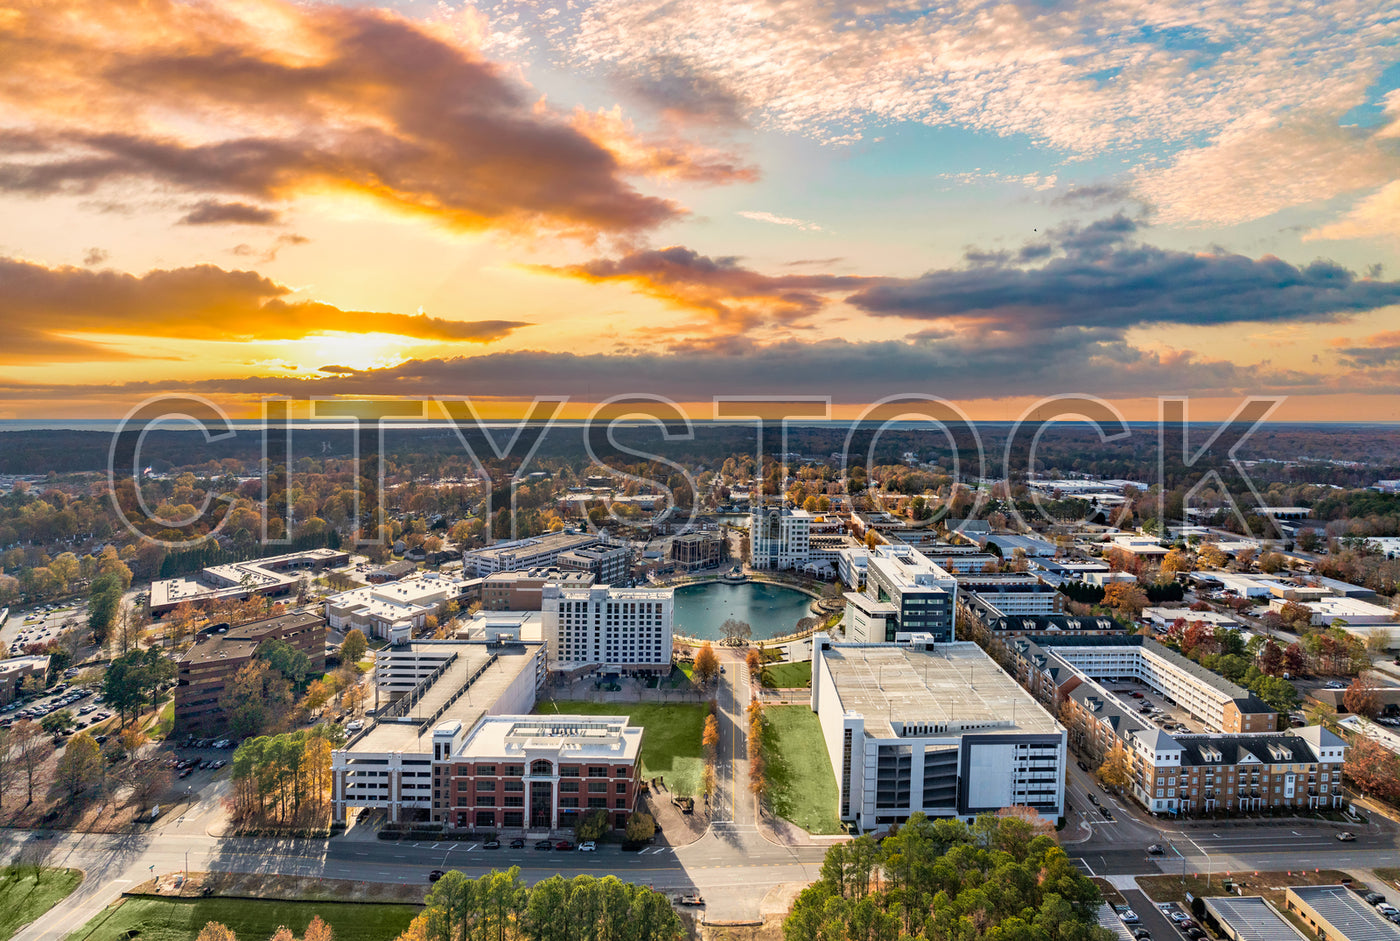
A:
284, 777
500, 907
1001, 879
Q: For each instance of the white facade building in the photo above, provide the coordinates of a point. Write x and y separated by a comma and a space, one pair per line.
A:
608, 628
917, 726
904, 592
392, 611
779, 537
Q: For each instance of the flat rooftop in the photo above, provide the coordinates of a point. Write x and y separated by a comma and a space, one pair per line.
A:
414, 732
571, 737
953, 684
1346, 912
242, 640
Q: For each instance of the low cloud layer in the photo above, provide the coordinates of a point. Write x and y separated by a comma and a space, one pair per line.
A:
45, 307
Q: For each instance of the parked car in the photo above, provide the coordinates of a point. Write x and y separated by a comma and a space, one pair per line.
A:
564, 845
1386, 909
518, 843
1127, 916
692, 899
491, 845
1178, 917
588, 846
1373, 898
543, 845
435, 875
1142, 934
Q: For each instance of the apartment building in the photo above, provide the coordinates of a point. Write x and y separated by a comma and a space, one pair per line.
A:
206, 669
515, 772
1191, 774
609, 629
1010, 594
937, 728
904, 592
524, 554
779, 537
1209, 697
524, 591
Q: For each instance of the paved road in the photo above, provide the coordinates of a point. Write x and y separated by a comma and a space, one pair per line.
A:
1150, 917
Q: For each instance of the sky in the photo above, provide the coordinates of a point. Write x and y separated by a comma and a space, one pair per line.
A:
988, 202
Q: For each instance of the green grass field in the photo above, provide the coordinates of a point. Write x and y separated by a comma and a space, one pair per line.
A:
166, 919
801, 787
670, 745
789, 675
24, 898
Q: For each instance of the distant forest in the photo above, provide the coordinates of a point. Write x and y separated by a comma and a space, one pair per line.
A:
1342, 455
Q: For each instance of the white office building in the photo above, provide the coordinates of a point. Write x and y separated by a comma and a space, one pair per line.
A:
609, 629
779, 537
904, 592
395, 610
918, 726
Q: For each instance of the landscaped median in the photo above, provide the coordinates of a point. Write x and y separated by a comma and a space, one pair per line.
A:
670, 745
27, 892
164, 917
801, 786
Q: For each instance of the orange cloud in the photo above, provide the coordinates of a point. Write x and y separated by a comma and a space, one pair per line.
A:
44, 306
271, 100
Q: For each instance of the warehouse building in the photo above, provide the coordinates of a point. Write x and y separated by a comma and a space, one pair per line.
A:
1335, 913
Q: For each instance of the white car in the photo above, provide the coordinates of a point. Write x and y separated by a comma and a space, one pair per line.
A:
587, 846
354, 725
1128, 917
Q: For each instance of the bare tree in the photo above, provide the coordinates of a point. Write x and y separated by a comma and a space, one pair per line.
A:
735, 633
31, 749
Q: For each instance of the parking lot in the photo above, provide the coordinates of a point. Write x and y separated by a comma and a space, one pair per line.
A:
41, 624
1163, 714
84, 704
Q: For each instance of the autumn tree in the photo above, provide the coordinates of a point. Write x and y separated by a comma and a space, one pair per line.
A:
1174, 563
754, 661
1117, 768
80, 765
1128, 598
258, 699
706, 663
1362, 698
710, 737
353, 648
1271, 658
1373, 769
640, 827
1210, 556
215, 931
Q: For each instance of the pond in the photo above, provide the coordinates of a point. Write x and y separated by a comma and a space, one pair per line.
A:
771, 610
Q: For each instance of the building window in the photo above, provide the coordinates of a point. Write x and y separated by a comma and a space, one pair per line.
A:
597, 772
485, 769
514, 785
568, 787
485, 786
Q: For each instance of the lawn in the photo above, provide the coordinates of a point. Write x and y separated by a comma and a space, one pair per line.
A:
24, 898
169, 919
801, 787
789, 675
670, 745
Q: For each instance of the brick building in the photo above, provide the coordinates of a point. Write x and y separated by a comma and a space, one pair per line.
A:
206, 669
535, 772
